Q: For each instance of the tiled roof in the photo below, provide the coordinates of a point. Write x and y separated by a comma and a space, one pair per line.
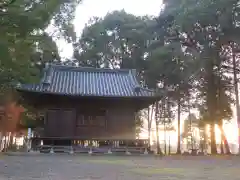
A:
83, 81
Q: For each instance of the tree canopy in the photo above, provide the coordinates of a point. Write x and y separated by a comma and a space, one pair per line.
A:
24, 42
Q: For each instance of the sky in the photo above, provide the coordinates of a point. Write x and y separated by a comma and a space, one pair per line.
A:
99, 8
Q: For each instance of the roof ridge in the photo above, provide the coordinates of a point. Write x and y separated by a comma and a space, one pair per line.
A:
90, 69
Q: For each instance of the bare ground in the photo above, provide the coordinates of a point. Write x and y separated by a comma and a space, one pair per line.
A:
74, 167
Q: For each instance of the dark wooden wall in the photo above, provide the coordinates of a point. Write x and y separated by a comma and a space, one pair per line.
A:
61, 119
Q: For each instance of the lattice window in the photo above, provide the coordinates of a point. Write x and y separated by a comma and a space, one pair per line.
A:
80, 120
92, 120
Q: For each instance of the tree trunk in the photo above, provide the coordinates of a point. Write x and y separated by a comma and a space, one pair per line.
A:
179, 127
235, 79
222, 137
202, 139
169, 127
157, 130
213, 138
224, 140
169, 145
164, 126
221, 145
11, 140
150, 118
165, 138
212, 102
157, 133
6, 141
206, 139
190, 121
149, 127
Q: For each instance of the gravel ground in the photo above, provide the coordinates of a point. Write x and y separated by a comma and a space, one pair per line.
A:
76, 167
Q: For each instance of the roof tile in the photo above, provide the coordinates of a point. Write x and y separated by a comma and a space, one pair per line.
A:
82, 81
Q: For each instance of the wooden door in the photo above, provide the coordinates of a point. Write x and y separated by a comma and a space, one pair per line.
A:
60, 123
67, 122
51, 120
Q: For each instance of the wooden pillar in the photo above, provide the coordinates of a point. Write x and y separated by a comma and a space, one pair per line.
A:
52, 150
90, 149
127, 151
71, 148
110, 147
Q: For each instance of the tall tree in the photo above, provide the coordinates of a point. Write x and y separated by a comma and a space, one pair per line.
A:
169, 65
117, 41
